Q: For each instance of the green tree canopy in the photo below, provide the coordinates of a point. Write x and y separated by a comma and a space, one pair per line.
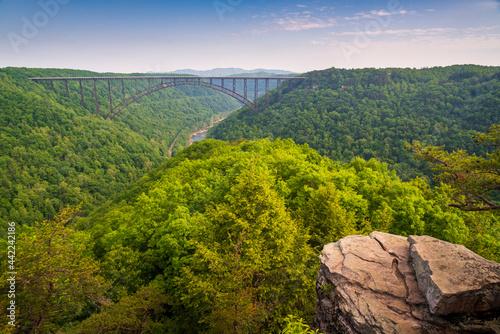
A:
475, 179
57, 275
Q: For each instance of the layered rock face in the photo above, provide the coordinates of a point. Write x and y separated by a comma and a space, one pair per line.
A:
384, 283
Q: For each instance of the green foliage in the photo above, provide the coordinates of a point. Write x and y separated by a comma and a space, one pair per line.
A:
56, 275
297, 326
472, 183
326, 218
327, 288
475, 179
371, 113
139, 313
54, 152
244, 264
224, 237
231, 231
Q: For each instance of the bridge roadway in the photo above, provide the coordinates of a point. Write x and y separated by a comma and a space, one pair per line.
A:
156, 83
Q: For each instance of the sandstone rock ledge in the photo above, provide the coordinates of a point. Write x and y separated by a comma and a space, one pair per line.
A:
384, 283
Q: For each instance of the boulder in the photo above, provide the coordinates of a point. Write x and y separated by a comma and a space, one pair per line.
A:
453, 278
384, 283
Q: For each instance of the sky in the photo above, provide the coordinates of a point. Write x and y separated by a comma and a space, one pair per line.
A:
296, 35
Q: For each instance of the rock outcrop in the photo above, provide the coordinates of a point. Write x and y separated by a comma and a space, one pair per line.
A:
391, 284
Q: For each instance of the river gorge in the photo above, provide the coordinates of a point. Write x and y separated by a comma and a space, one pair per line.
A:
200, 135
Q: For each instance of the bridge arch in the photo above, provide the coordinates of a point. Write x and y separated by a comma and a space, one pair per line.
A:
156, 83
180, 82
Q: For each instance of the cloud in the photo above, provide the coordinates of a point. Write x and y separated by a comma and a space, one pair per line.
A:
358, 16
372, 14
400, 32
384, 13
488, 5
304, 23
253, 32
483, 38
296, 21
481, 29
302, 6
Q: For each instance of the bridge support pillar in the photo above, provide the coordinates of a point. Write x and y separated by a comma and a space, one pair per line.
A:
278, 88
109, 93
67, 89
81, 93
256, 100
267, 93
95, 95
171, 81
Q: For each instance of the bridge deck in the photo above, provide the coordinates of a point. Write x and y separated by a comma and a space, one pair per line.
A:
164, 77
158, 82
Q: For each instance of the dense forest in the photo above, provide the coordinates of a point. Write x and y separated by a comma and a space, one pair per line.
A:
54, 152
112, 236
222, 238
371, 113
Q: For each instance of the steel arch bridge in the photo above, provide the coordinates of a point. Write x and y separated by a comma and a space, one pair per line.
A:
156, 83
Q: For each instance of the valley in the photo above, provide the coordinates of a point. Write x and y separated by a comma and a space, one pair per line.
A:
372, 113
249, 167
222, 227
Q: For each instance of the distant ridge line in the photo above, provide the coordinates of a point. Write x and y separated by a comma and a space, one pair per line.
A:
228, 71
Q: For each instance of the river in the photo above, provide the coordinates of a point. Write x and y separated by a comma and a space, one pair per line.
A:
200, 135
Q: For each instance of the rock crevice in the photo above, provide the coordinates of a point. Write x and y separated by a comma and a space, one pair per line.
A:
384, 283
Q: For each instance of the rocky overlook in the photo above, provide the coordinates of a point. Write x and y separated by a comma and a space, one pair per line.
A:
384, 283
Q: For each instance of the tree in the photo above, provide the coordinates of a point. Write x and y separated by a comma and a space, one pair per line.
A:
325, 217
251, 264
475, 179
139, 313
297, 326
56, 275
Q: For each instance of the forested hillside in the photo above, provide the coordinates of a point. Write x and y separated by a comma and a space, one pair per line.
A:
54, 152
223, 238
371, 113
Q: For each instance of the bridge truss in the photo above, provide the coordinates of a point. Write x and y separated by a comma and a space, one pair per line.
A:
156, 83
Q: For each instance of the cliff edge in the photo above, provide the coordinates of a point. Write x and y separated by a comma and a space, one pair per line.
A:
385, 283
